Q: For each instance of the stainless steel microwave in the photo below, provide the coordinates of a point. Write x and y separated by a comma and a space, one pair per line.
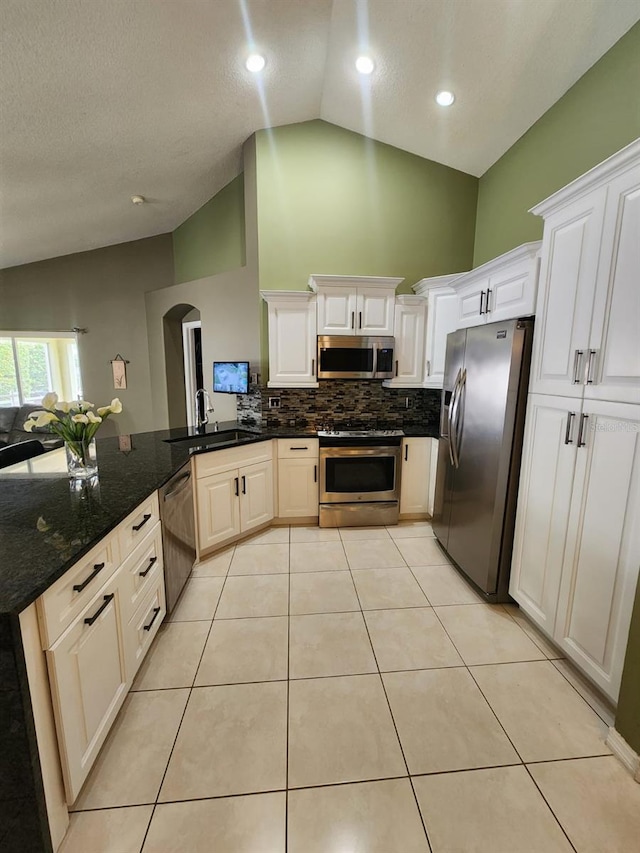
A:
355, 357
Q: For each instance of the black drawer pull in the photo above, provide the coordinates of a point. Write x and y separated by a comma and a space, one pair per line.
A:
156, 610
91, 619
298, 448
152, 562
78, 587
236, 481
244, 485
315, 473
145, 518
406, 453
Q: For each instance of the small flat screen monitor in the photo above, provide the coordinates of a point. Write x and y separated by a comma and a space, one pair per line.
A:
231, 377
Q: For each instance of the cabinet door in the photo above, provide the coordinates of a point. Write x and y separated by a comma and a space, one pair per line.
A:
292, 344
614, 348
512, 294
416, 469
471, 303
337, 311
256, 495
409, 333
375, 311
442, 318
568, 273
218, 509
544, 500
600, 569
87, 670
297, 488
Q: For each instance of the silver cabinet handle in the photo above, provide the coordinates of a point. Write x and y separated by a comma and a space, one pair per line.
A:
481, 301
567, 435
576, 366
583, 421
590, 367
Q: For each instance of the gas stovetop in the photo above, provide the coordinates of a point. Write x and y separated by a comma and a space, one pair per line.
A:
360, 433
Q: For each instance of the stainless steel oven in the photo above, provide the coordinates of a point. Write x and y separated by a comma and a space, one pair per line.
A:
355, 357
359, 478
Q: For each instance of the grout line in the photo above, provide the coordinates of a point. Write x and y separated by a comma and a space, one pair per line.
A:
384, 690
597, 713
563, 830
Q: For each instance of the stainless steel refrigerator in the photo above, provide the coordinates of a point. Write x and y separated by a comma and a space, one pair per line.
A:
479, 448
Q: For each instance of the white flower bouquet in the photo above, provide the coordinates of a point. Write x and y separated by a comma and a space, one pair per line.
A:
76, 423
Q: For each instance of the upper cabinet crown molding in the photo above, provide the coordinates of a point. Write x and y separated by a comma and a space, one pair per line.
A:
422, 287
273, 296
592, 180
353, 281
527, 251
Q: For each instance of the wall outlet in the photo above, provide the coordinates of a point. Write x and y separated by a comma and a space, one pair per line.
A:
274, 402
408, 402
254, 378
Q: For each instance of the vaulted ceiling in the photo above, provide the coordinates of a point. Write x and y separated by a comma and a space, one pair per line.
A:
100, 101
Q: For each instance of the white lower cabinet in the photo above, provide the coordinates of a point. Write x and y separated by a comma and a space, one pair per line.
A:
577, 542
233, 502
93, 657
256, 495
415, 477
88, 675
298, 477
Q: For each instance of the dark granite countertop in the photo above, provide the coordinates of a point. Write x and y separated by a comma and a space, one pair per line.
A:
46, 525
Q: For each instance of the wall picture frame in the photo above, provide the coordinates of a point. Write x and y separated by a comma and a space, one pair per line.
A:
119, 370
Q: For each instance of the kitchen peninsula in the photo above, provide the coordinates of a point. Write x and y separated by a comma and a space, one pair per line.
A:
47, 526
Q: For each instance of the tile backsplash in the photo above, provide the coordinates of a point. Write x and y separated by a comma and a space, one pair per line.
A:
341, 403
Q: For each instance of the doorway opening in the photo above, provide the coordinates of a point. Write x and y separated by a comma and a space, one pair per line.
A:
193, 375
183, 362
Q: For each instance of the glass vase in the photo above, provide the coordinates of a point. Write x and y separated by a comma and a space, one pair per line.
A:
81, 459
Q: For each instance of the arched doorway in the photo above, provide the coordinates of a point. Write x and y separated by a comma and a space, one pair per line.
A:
183, 360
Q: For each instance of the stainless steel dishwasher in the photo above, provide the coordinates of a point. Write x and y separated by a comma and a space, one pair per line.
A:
178, 533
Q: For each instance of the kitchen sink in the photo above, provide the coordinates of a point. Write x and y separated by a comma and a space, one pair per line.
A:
213, 438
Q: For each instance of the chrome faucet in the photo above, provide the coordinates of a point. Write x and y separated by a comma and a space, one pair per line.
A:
201, 422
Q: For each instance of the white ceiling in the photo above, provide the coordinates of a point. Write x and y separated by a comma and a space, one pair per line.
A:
103, 100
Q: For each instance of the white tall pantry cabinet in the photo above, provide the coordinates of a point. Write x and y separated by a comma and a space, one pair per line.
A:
577, 541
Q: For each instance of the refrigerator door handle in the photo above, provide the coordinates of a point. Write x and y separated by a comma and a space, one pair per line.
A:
455, 423
449, 417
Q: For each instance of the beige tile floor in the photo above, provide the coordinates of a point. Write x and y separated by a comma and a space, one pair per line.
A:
321, 690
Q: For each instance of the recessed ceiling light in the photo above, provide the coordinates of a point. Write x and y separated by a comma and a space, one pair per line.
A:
365, 64
444, 98
138, 199
255, 62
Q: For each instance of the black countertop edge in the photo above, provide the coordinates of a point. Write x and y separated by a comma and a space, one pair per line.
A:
46, 525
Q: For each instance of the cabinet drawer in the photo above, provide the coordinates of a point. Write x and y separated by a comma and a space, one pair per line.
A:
140, 571
143, 626
218, 461
136, 526
297, 448
64, 601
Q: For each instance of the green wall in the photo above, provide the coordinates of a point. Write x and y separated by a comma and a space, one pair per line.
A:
599, 115
332, 201
212, 240
628, 716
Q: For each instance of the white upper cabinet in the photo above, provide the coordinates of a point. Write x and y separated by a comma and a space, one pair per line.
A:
409, 333
501, 289
568, 275
588, 311
613, 363
442, 318
292, 338
355, 305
